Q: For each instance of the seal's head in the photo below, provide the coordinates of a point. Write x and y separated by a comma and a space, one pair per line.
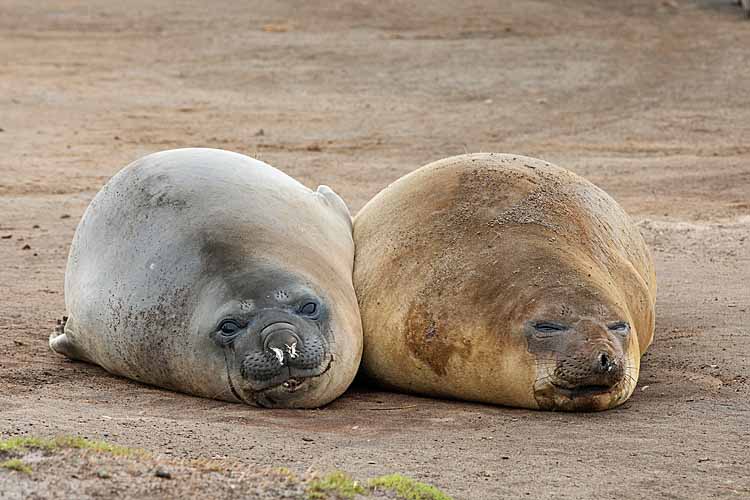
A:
585, 349
277, 339
282, 324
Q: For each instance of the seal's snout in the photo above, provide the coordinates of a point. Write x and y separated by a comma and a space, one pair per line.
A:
589, 368
605, 363
283, 340
284, 353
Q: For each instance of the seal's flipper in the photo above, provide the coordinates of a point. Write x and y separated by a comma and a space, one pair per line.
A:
61, 344
335, 201
60, 327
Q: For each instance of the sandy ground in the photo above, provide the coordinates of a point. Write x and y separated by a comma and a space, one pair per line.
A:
648, 99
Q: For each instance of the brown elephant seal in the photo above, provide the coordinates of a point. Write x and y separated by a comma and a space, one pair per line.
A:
214, 274
503, 279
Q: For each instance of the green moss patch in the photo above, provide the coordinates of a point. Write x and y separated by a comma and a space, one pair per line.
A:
16, 465
407, 488
334, 485
21, 444
338, 485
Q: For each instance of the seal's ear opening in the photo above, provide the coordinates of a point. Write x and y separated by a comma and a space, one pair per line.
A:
335, 201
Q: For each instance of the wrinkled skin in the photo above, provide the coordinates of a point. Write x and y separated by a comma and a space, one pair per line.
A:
503, 279
210, 273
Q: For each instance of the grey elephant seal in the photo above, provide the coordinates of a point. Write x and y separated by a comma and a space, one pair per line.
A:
211, 273
503, 279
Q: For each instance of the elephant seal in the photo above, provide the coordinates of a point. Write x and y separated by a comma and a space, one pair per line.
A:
503, 279
211, 273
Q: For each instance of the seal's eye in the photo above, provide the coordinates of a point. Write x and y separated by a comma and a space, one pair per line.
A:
619, 327
546, 327
229, 327
309, 309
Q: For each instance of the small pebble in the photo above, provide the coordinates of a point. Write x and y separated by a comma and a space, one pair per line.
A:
65, 216
6, 236
165, 474
26, 247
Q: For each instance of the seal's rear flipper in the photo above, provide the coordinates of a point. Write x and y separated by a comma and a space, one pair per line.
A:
61, 344
335, 201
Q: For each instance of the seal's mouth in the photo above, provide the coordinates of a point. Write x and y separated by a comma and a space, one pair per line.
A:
583, 391
563, 385
291, 383
276, 390
275, 396
584, 397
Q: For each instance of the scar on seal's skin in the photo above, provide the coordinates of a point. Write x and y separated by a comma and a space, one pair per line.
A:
426, 343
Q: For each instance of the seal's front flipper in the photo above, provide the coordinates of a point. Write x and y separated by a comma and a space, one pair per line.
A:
61, 344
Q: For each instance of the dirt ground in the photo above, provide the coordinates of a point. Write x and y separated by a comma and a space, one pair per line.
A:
648, 99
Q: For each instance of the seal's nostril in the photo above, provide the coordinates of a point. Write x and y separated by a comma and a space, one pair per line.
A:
605, 362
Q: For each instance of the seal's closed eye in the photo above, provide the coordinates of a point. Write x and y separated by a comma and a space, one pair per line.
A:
620, 327
549, 327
